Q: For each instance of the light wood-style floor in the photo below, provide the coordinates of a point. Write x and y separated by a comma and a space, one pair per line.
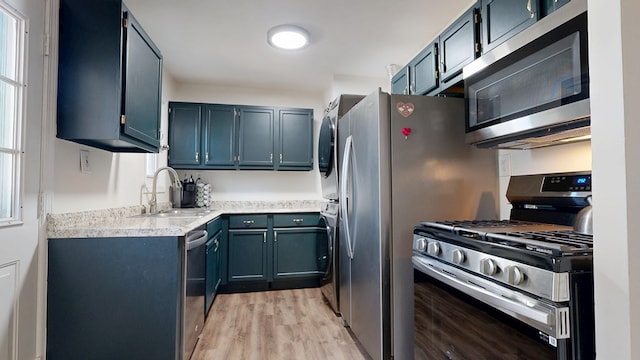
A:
274, 325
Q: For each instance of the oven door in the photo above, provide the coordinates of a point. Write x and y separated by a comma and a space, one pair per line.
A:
459, 317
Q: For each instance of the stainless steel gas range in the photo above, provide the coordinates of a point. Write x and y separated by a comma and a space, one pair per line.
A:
512, 289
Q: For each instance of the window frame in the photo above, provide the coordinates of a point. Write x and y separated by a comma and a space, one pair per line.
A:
17, 152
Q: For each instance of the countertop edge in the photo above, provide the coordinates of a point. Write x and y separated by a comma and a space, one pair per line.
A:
119, 222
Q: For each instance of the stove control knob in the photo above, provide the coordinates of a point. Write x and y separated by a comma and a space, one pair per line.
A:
514, 275
420, 244
488, 267
457, 256
433, 249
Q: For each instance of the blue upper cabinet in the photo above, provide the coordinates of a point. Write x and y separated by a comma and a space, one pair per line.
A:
400, 82
219, 134
458, 46
256, 137
420, 76
218, 137
423, 71
502, 19
295, 139
109, 78
184, 135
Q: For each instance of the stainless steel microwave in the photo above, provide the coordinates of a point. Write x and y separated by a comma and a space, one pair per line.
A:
533, 90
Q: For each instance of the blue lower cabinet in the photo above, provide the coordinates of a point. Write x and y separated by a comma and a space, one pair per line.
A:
299, 253
115, 298
282, 253
247, 255
213, 274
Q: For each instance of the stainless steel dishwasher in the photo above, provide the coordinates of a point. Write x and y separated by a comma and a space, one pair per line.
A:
193, 319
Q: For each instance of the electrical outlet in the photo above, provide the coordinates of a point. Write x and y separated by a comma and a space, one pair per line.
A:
504, 165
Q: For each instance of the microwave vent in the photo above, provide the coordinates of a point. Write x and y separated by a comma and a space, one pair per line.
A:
558, 135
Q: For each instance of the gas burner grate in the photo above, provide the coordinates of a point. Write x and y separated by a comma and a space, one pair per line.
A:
561, 237
551, 242
482, 223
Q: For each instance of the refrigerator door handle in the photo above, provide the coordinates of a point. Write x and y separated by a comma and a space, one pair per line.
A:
346, 157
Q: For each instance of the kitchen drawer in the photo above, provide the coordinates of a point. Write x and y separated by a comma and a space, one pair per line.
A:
296, 220
247, 221
214, 226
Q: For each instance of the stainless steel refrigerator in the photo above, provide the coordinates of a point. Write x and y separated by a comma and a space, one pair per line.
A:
402, 160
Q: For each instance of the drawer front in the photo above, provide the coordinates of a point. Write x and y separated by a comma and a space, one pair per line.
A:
214, 226
247, 221
296, 220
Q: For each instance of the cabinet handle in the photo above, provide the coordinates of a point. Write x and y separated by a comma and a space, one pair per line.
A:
206, 157
271, 158
298, 221
197, 156
412, 88
280, 157
248, 222
275, 236
264, 237
217, 245
531, 13
442, 68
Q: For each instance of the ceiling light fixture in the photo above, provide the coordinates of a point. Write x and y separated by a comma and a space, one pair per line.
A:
288, 37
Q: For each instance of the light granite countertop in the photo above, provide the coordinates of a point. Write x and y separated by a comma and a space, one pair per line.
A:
127, 221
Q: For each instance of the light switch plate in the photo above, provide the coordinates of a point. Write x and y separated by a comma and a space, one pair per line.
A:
85, 165
504, 165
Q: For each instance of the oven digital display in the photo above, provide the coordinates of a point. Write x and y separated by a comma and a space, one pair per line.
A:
566, 183
582, 181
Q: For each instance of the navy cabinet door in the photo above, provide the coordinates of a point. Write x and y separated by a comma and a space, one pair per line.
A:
184, 135
256, 137
298, 252
219, 132
400, 82
504, 18
247, 255
109, 78
295, 139
142, 87
423, 71
457, 48
212, 279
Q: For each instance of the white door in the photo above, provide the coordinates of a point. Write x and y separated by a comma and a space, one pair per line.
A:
22, 28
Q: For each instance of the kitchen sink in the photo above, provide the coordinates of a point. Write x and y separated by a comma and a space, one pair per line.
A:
185, 212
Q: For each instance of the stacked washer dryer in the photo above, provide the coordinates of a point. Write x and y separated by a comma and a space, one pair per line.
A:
328, 167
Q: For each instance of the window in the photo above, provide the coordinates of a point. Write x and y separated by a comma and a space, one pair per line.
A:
11, 111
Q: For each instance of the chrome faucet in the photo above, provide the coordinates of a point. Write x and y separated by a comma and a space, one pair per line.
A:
153, 203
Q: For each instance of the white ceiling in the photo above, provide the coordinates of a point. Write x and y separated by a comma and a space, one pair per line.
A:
223, 42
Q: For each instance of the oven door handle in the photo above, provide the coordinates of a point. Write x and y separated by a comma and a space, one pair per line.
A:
483, 295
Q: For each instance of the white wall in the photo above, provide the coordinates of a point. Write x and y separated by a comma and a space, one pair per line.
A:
355, 85
116, 179
614, 49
